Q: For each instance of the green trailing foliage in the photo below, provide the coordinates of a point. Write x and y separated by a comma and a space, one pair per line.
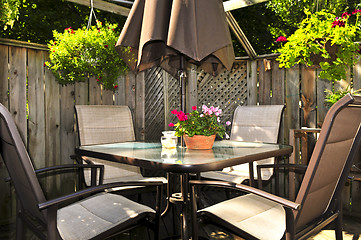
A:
322, 34
78, 54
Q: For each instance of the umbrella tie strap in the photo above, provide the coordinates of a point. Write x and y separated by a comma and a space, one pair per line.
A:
182, 75
92, 12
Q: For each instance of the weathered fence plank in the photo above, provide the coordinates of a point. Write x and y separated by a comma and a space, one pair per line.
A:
322, 107
17, 89
81, 93
52, 118
4, 75
278, 84
107, 97
36, 121
264, 96
119, 94
357, 76
308, 96
252, 96
67, 134
95, 92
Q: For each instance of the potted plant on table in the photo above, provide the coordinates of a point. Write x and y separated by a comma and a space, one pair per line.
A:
78, 54
199, 128
326, 41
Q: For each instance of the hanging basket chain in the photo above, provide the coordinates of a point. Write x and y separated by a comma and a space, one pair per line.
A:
92, 12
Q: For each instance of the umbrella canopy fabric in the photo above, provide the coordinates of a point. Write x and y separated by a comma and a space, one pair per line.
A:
162, 32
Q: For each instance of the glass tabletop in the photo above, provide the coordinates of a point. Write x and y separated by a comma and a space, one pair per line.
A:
151, 154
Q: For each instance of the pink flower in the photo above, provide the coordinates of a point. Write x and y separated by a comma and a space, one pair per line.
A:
171, 124
228, 123
175, 112
194, 108
281, 39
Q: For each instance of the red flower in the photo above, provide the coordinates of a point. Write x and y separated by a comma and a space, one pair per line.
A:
115, 86
345, 15
106, 46
182, 116
281, 39
194, 108
356, 11
339, 23
171, 124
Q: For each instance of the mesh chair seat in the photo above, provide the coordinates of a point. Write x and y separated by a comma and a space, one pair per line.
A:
92, 216
251, 211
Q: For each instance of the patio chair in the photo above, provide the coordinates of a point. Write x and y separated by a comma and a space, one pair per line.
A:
261, 215
251, 124
102, 124
96, 215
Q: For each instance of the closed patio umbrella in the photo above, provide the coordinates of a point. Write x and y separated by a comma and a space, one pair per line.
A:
170, 34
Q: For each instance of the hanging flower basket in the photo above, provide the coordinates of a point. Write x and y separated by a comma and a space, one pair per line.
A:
78, 54
323, 40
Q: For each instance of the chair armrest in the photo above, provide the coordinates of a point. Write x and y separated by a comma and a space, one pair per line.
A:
68, 166
277, 166
248, 189
93, 190
283, 165
65, 166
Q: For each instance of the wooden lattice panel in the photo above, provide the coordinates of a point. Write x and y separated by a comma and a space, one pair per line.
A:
154, 104
227, 90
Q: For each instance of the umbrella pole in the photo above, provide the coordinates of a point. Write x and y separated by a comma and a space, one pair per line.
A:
183, 79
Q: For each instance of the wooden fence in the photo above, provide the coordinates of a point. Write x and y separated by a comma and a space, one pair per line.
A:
44, 110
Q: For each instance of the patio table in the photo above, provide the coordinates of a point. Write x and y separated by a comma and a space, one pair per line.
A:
183, 161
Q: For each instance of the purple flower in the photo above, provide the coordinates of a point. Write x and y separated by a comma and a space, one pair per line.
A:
228, 123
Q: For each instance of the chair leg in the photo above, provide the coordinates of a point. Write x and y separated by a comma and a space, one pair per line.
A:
19, 228
19, 222
338, 221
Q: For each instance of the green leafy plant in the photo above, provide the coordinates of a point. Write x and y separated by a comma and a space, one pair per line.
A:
333, 96
205, 123
323, 35
9, 11
78, 54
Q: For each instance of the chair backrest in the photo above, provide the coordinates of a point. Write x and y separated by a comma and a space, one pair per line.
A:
19, 166
257, 123
101, 124
331, 160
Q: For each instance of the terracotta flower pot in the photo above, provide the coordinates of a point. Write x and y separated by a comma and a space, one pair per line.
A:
199, 141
